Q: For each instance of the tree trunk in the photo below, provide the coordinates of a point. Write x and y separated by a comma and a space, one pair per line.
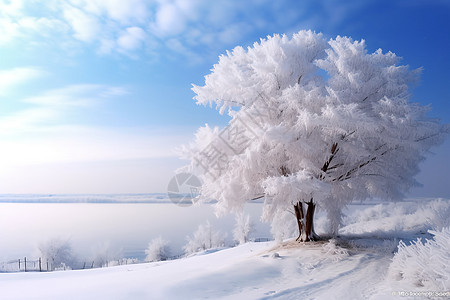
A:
298, 208
305, 223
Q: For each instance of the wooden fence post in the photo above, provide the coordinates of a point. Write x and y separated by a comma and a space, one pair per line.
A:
25, 263
19, 264
40, 265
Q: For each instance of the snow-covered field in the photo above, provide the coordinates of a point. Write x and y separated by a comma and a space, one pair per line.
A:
364, 262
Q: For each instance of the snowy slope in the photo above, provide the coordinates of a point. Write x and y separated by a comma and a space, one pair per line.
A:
357, 265
246, 272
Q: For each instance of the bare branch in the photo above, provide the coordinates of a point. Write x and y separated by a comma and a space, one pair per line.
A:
344, 136
427, 137
335, 166
334, 150
257, 197
352, 171
376, 91
379, 175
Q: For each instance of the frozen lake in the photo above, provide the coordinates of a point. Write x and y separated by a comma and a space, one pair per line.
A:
124, 229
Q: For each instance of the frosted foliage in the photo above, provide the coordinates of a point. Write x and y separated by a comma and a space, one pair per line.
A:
57, 252
440, 214
323, 120
283, 226
424, 264
333, 251
241, 75
102, 254
157, 250
243, 228
203, 238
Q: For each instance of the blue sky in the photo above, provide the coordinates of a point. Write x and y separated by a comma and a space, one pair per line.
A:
95, 94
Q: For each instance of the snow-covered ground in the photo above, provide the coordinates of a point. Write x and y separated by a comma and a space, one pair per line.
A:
360, 264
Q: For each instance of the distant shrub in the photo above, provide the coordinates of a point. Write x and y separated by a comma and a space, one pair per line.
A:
158, 250
58, 253
333, 251
439, 214
203, 238
243, 228
424, 264
103, 253
283, 226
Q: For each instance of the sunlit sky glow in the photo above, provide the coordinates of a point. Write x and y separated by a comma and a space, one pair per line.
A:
95, 94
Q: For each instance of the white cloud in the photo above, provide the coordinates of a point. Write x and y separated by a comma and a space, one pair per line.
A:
85, 26
177, 46
132, 27
125, 12
26, 120
42, 26
110, 91
51, 107
132, 38
11, 8
129, 26
40, 137
232, 33
170, 20
73, 95
12, 77
41, 134
8, 31
110, 25
85, 144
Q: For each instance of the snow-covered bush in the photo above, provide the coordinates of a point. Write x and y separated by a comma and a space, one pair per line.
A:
439, 217
333, 251
243, 228
388, 220
158, 250
424, 264
104, 254
203, 238
58, 253
62, 267
283, 226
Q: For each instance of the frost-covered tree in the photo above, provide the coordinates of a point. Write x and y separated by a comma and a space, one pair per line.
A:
102, 254
205, 237
243, 228
158, 249
440, 213
313, 123
423, 264
57, 253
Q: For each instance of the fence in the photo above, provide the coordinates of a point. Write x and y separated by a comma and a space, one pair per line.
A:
24, 265
262, 239
39, 265
119, 262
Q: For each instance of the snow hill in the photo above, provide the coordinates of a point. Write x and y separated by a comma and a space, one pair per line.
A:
367, 261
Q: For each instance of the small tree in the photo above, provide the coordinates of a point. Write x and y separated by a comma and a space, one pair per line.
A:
103, 254
58, 253
203, 238
158, 250
313, 123
243, 228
